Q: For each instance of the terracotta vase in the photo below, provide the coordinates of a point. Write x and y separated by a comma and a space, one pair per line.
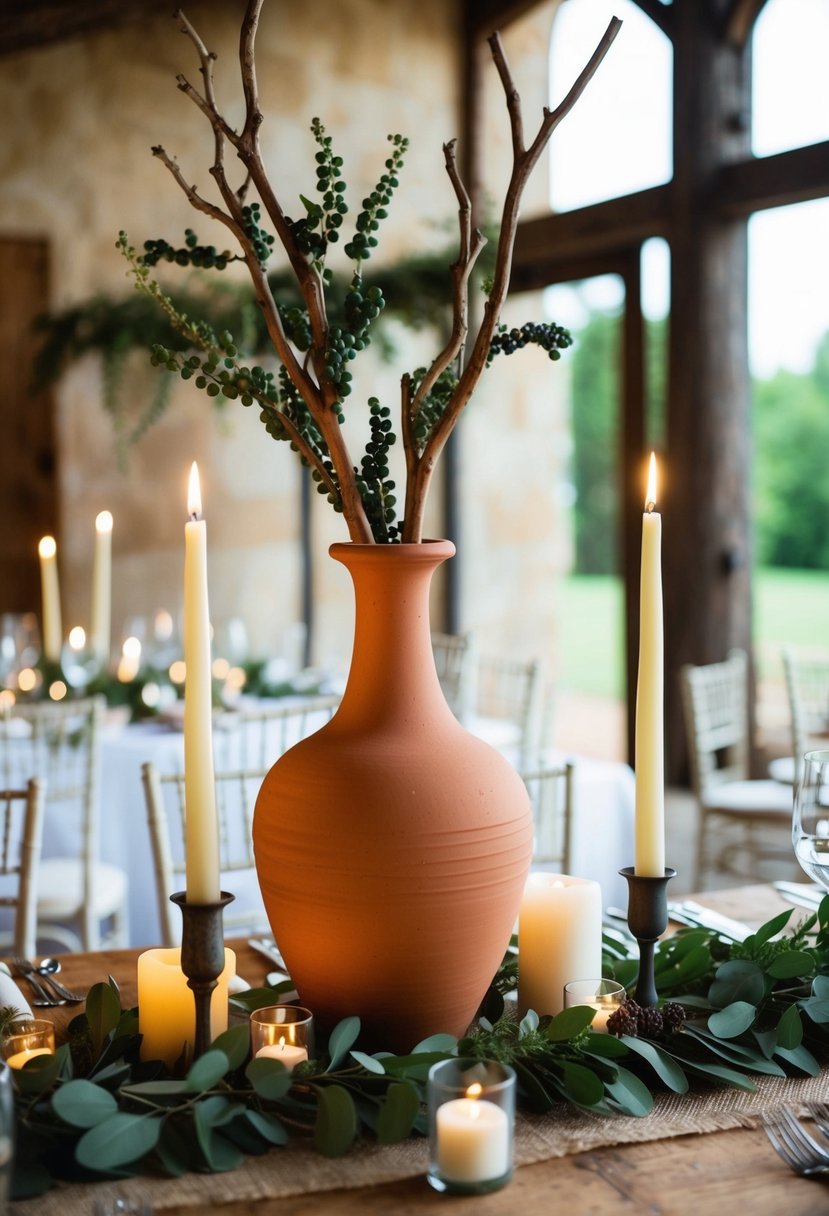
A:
392, 845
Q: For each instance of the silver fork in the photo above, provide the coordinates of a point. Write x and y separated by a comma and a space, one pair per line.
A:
48, 981
792, 1142
819, 1111
41, 996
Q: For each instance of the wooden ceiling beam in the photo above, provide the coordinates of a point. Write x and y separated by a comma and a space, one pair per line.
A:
660, 14
482, 17
797, 176
548, 245
36, 23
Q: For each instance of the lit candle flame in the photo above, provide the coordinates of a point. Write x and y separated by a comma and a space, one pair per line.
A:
650, 496
475, 1090
47, 547
194, 493
103, 522
77, 637
282, 1042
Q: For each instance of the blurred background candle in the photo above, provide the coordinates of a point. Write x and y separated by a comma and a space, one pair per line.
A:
650, 732
102, 587
50, 592
201, 823
559, 938
167, 1009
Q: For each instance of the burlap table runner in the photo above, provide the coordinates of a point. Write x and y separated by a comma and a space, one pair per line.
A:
297, 1169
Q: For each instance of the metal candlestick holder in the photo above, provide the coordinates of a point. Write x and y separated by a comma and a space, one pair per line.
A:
202, 957
647, 921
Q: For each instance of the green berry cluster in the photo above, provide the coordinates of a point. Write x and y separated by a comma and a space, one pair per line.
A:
261, 240
361, 307
376, 489
191, 254
434, 404
320, 225
374, 206
549, 336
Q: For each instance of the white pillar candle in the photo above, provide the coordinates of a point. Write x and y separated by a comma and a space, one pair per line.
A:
472, 1140
289, 1054
201, 823
50, 592
650, 731
102, 587
167, 1008
559, 938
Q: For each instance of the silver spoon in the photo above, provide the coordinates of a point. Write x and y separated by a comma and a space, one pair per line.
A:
48, 968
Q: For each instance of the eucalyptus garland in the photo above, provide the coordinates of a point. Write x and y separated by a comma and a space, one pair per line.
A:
94, 1110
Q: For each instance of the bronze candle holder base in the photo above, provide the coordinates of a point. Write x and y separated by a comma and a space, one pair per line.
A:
647, 921
202, 957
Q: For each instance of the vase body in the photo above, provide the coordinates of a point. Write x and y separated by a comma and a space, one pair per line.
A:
392, 845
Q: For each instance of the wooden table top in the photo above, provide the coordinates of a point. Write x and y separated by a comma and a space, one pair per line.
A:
695, 1174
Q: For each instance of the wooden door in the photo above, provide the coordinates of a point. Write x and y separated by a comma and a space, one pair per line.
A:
28, 459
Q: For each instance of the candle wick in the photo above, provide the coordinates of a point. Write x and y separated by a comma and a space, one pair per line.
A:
195, 516
650, 506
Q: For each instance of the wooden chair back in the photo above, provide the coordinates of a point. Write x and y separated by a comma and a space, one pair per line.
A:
511, 690
551, 798
256, 737
21, 822
807, 688
715, 709
454, 661
236, 793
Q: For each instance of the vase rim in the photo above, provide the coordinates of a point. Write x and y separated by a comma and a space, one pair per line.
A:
427, 550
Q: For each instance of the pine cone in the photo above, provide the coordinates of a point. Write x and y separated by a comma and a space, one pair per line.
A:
650, 1022
625, 1019
673, 1017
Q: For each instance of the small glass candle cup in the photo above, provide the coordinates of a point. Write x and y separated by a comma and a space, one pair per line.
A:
471, 1126
27, 1038
605, 996
282, 1032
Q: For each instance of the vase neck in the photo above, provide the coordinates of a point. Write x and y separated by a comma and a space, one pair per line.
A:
392, 664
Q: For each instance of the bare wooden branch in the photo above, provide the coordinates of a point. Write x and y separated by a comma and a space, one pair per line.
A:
523, 163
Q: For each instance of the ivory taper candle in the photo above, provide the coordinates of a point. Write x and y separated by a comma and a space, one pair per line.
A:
102, 587
650, 731
50, 591
201, 823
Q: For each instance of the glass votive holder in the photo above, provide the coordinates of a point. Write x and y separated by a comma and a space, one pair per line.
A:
282, 1032
27, 1038
605, 996
471, 1126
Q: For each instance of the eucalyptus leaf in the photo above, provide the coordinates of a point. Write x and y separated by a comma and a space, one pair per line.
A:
741, 1055
219, 1153
40, 1073
268, 1126
733, 1020
235, 1043
607, 1046
790, 1029
664, 1065
416, 1066
122, 1138
581, 1084
336, 1123
207, 1071
629, 1093
737, 980
446, 1043
692, 966
801, 1058
771, 928
342, 1039
398, 1113
103, 1013
816, 1008
81, 1103
269, 1077
791, 963
368, 1062
538, 1097
159, 1091
568, 1023
718, 1072
820, 986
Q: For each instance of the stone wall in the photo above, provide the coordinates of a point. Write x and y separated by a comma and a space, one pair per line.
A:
75, 167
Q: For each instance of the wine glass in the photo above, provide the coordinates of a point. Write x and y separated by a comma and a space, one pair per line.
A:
810, 822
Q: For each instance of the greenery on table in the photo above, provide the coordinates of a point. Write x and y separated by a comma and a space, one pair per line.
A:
95, 1111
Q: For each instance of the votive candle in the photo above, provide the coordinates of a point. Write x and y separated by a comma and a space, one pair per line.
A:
559, 938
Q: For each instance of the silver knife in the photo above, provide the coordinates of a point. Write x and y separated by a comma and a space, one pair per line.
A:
690, 913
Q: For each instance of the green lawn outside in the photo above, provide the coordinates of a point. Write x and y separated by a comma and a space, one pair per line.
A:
789, 606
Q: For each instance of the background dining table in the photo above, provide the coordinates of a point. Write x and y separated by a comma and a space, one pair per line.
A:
733, 1168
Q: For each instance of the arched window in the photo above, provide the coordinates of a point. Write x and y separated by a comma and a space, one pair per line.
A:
790, 84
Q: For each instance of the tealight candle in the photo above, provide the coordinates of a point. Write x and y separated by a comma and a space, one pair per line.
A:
560, 938
471, 1114
288, 1054
603, 996
27, 1038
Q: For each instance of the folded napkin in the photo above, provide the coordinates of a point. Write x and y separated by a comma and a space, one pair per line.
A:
10, 994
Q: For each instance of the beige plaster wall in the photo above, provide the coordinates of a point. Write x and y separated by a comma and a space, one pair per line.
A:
75, 167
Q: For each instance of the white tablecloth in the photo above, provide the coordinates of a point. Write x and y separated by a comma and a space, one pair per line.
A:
603, 813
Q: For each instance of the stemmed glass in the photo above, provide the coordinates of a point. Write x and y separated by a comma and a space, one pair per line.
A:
810, 822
